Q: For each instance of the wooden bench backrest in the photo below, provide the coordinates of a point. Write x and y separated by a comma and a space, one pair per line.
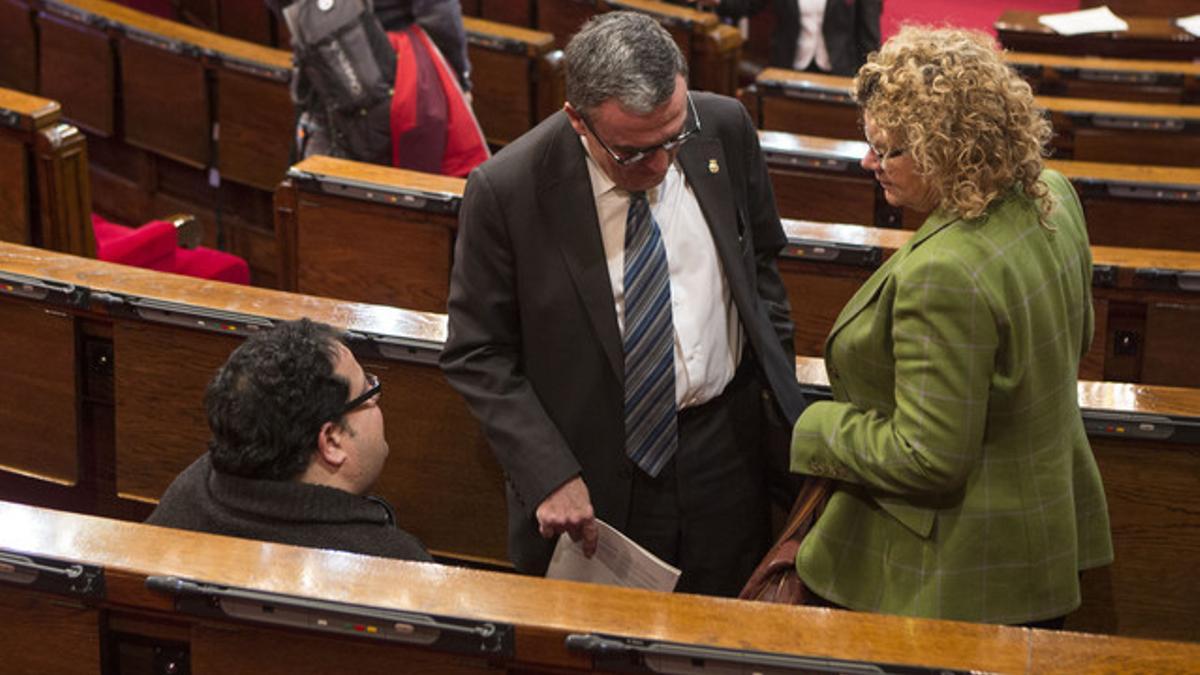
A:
1148, 37
1084, 129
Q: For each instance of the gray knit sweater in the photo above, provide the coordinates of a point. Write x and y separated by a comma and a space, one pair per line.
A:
286, 512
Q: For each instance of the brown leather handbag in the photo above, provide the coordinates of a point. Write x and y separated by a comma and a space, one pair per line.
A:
775, 578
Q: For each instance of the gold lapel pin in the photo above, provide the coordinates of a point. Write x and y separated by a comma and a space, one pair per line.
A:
713, 167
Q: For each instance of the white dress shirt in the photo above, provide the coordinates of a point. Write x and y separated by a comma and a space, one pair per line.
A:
811, 43
708, 337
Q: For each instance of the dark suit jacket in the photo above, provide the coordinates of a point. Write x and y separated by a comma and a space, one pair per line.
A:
851, 29
533, 343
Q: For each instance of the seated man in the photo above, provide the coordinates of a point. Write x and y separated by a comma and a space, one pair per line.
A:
297, 440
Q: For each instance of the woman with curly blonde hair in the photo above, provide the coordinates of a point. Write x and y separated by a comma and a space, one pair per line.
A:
965, 486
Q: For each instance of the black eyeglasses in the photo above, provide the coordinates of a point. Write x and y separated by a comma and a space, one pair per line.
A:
374, 386
635, 155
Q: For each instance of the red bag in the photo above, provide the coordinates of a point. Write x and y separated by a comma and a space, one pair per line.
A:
775, 578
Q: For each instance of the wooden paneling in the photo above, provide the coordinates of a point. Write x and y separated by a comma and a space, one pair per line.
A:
1137, 147
14, 191
166, 102
1165, 8
563, 18
817, 294
511, 12
813, 195
1150, 590
1141, 223
161, 373
18, 46
245, 20
501, 86
257, 120
77, 69
39, 415
46, 634
439, 456
1171, 331
354, 250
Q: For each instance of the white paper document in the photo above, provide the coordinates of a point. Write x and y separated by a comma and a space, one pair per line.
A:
619, 561
1190, 23
1094, 20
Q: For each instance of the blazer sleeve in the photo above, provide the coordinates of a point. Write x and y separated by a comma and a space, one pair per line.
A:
482, 357
768, 238
944, 340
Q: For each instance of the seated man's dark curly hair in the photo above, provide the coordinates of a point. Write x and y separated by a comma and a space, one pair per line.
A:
268, 402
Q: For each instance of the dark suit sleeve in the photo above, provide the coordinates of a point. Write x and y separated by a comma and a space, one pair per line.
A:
768, 238
482, 356
866, 27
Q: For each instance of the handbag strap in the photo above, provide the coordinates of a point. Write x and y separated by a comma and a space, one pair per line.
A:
812, 495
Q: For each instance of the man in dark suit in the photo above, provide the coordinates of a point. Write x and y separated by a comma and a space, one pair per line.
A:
848, 30
636, 191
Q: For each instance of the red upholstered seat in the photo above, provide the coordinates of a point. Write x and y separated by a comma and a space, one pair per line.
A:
153, 246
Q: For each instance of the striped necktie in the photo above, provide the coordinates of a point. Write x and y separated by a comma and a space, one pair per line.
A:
650, 428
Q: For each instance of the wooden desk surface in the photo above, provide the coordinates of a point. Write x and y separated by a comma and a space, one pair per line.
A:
97, 275
1102, 63
700, 21
840, 87
536, 42
543, 611
382, 176
35, 112
1140, 27
220, 44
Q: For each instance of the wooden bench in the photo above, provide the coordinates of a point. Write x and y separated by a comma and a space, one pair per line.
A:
1140, 80
517, 77
712, 48
375, 234
155, 596
818, 178
1148, 37
151, 94
143, 345
44, 191
1147, 301
1084, 129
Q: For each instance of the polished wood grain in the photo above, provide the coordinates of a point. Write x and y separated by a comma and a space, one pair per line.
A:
542, 611
1167, 8
44, 634
160, 374
1084, 129
511, 12
76, 67
374, 319
165, 102
1142, 80
18, 46
15, 216
39, 415
257, 123
34, 112
1148, 37
219, 45
562, 18
64, 203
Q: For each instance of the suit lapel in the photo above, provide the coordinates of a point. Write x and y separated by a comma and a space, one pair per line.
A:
866, 294
707, 172
569, 209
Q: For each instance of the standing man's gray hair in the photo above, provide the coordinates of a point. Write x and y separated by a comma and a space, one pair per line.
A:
626, 56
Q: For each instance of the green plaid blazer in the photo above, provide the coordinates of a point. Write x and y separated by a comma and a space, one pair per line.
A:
967, 486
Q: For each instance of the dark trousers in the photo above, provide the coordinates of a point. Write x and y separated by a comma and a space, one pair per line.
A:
707, 511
